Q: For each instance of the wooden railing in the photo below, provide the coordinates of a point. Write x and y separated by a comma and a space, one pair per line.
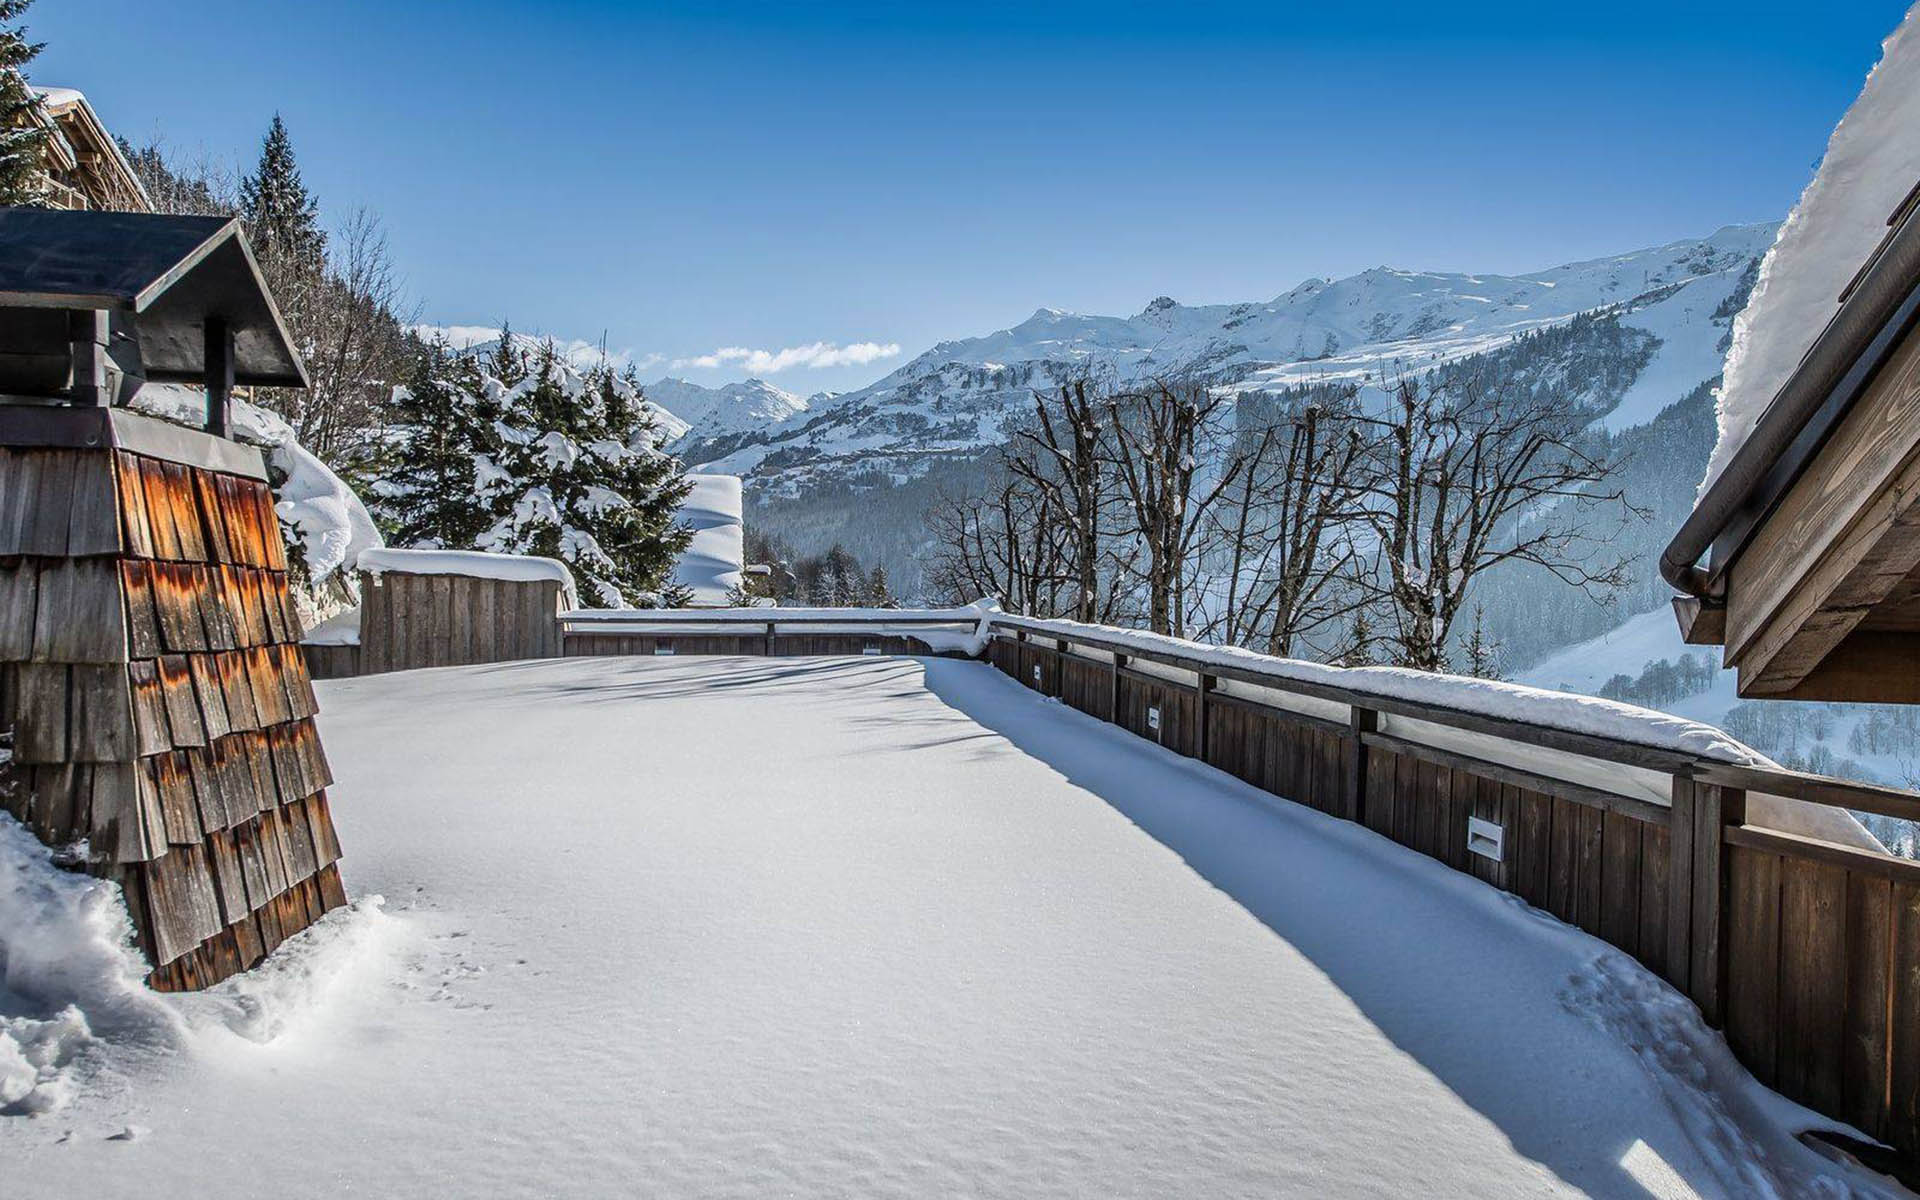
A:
769, 631
1805, 951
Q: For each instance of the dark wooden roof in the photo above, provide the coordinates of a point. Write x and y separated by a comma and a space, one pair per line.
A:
173, 271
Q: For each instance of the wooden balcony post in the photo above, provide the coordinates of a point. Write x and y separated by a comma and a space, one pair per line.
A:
219, 376
1360, 723
1714, 809
1113, 688
1207, 684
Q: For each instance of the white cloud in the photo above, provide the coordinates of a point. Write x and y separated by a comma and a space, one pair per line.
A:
767, 362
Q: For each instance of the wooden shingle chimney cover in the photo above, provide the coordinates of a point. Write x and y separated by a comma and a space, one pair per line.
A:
155, 703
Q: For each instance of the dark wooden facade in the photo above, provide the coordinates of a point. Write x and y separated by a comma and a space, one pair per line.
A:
1806, 953
150, 674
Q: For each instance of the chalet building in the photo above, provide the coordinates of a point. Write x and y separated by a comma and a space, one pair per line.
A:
85, 169
1802, 558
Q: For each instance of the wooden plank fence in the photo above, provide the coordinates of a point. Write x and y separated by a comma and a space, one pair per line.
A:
1805, 952
409, 621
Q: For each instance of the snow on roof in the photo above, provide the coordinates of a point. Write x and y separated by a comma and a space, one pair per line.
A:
1872, 162
522, 568
712, 563
60, 97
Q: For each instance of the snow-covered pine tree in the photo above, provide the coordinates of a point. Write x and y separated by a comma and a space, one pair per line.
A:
590, 484
507, 362
438, 487
23, 138
878, 593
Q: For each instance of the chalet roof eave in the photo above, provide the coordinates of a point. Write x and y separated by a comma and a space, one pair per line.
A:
1880, 307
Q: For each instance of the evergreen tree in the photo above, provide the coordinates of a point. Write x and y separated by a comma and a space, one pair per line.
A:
282, 217
877, 593
507, 362
589, 482
23, 136
1359, 648
1483, 654
438, 489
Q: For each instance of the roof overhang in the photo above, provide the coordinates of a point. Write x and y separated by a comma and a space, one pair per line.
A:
1811, 535
175, 273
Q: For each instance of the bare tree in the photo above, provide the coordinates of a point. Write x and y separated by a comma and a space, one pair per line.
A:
1060, 458
356, 343
1007, 543
1162, 434
1282, 538
1462, 480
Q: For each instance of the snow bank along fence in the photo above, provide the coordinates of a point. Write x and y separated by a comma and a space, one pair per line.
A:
1806, 952
152, 685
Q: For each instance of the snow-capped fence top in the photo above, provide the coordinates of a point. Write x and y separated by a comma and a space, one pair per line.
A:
1587, 724
517, 568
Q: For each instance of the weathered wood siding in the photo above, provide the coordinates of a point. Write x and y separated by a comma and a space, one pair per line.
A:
159, 703
409, 621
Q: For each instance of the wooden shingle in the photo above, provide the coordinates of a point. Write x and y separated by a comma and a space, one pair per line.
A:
179, 807
38, 693
151, 732
100, 714
207, 694
79, 615
44, 530
183, 708
19, 598
135, 525
19, 483
93, 519
206, 494
237, 690
143, 624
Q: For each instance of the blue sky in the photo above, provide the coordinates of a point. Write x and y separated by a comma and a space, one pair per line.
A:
685, 177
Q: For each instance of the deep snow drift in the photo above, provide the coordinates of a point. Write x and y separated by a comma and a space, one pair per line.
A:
864, 926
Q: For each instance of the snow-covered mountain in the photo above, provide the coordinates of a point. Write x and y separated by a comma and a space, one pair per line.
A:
1675, 301
738, 408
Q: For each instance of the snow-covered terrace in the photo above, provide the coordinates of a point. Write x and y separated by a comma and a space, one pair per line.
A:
864, 926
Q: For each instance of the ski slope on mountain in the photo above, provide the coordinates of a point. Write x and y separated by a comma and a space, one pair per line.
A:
881, 927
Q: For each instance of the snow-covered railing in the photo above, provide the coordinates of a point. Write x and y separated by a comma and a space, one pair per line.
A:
774, 630
1750, 887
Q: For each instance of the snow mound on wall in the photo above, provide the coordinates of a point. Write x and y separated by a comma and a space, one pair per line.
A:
1872, 162
333, 525
520, 568
73, 992
712, 562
